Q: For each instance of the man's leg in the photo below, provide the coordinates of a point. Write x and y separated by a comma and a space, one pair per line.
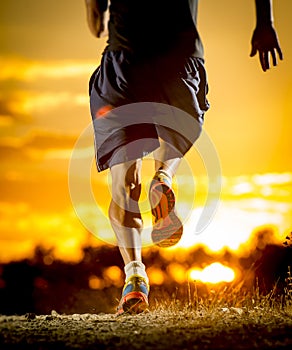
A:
126, 221
166, 159
167, 227
124, 213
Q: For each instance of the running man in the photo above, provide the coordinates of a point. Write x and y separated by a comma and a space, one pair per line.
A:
153, 54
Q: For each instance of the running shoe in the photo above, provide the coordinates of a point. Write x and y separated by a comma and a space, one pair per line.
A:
134, 296
167, 227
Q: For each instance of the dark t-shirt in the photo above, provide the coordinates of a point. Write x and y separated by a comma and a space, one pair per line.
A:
153, 27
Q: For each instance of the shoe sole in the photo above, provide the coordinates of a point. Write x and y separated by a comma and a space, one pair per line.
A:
168, 228
133, 303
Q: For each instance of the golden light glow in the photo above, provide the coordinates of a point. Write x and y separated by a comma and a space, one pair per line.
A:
238, 217
214, 273
114, 275
156, 275
177, 272
95, 282
23, 229
247, 203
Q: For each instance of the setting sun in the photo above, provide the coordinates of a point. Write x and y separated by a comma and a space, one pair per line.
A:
213, 273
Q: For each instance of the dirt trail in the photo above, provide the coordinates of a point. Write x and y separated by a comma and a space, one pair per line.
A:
225, 328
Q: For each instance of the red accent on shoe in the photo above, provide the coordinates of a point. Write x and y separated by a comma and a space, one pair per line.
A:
133, 303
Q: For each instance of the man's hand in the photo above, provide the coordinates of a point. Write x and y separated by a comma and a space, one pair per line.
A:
264, 39
97, 17
265, 42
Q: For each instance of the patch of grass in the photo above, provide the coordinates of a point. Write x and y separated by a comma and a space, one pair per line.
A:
211, 299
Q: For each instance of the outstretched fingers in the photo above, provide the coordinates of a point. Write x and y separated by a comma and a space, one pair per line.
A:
264, 60
279, 52
264, 57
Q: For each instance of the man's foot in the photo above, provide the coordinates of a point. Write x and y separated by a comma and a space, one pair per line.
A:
134, 296
167, 227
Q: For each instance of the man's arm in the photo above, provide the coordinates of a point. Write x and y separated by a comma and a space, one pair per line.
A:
97, 16
264, 39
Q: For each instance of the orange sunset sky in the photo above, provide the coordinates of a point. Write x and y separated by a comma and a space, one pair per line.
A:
47, 56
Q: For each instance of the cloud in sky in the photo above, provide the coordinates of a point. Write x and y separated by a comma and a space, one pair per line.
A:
36, 140
22, 229
48, 95
13, 68
11, 109
43, 108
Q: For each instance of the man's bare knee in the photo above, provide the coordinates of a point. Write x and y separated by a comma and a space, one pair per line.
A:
126, 190
126, 179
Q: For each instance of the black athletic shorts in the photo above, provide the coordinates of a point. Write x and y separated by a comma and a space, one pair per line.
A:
135, 102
